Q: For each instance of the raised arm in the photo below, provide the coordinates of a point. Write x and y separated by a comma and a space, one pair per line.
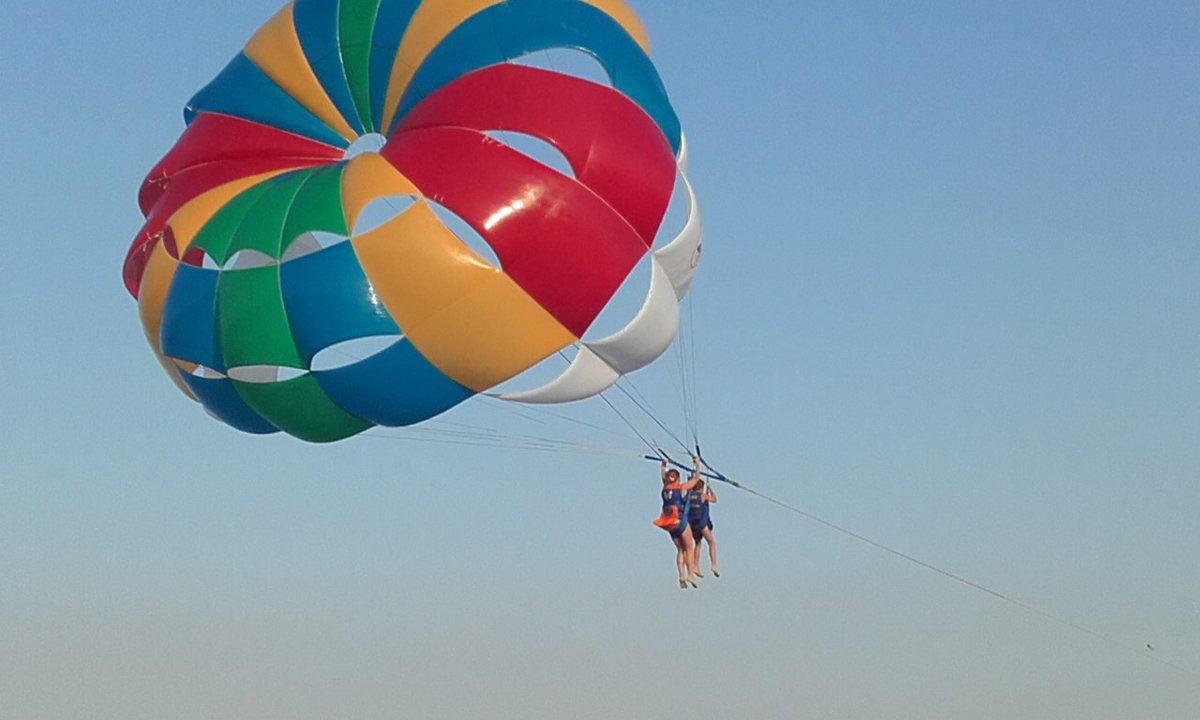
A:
694, 480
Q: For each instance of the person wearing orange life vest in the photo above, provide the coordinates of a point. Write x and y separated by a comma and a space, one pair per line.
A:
674, 519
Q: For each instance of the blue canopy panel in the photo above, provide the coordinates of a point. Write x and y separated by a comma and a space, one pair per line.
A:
243, 90
390, 24
221, 399
516, 28
470, 46
329, 300
189, 326
395, 387
317, 23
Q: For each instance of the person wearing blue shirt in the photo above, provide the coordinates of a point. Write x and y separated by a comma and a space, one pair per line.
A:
701, 526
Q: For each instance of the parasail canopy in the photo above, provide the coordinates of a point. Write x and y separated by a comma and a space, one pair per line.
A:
256, 258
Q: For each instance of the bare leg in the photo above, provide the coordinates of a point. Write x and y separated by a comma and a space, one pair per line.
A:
707, 534
680, 563
689, 555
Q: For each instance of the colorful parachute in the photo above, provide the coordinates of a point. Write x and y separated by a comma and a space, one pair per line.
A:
253, 259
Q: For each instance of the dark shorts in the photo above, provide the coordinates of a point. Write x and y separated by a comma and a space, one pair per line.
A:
698, 530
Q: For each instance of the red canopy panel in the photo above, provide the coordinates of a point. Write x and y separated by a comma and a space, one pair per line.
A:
612, 145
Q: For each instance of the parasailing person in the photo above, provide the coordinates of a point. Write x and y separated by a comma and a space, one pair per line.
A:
674, 519
701, 526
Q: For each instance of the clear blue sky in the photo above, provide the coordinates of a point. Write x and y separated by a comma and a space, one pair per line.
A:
949, 300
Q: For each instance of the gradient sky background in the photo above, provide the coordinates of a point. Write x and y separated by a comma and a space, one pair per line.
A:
949, 300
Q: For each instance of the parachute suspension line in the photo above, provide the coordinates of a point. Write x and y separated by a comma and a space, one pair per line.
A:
436, 431
685, 399
490, 438
620, 385
714, 475
691, 333
503, 443
513, 440
632, 387
528, 416
653, 447
486, 437
685, 354
544, 410
470, 435
645, 441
